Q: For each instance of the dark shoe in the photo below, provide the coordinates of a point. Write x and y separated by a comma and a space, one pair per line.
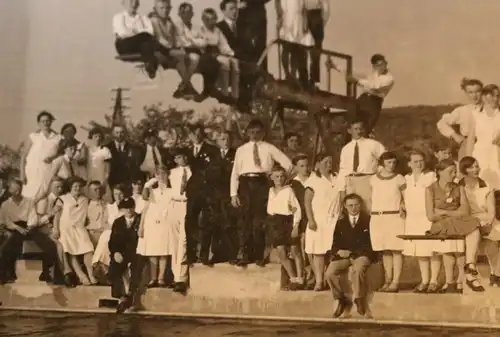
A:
150, 70
475, 285
343, 305
494, 281
432, 288
449, 288
179, 93
45, 277
123, 305
207, 262
471, 269
260, 263
421, 288
360, 305
294, 286
171, 285
181, 288
68, 281
201, 97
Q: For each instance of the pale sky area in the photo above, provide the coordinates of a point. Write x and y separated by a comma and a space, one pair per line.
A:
59, 55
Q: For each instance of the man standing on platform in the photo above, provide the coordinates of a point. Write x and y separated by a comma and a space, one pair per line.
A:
199, 230
318, 13
251, 27
376, 87
249, 191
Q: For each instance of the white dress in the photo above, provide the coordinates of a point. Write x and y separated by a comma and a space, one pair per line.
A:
101, 253
478, 202
325, 207
385, 227
74, 237
416, 222
155, 241
292, 28
38, 173
486, 153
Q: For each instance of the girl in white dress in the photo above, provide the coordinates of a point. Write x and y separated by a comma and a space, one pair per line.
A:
39, 150
416, 222
322, 205
486, 133
137, 189
69, 226
102, 255
98, 161
154, 229
79, 162
293, 28
387, 220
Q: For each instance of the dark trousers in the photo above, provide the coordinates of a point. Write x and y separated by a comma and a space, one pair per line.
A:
368, 108
294, 59
143, 43
252, 232
14, 245
225, 236
118, 270
252, 36
199, 229
209, 69
316, 26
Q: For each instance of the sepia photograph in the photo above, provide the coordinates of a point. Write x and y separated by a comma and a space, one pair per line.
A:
249, 168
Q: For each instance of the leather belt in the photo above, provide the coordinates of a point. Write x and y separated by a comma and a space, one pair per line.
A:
253, 175
385, 212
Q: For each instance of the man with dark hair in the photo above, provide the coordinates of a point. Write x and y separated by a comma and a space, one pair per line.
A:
201, 157
376, 87
351, 248
151, 156
318, 13
249, 189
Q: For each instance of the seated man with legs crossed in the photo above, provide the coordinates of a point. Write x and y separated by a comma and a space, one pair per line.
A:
351, 247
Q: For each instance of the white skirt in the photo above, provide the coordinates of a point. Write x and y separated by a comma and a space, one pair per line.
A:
75, 240
384, 229
418, 225
101, 253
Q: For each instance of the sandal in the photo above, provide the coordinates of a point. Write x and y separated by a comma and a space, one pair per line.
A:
421, 288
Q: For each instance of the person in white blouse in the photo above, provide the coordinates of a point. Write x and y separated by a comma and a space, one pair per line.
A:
376, 87
358, 162
135, 35
285, 215
249, 189
461, 117
218, 47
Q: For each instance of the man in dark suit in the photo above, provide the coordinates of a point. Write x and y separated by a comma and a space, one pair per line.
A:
227, 25
151, 155
123, 163
225, 236
201, 156
251, 26
351, 248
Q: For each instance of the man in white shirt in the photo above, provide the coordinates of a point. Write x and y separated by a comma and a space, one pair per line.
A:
135, 35
461, 117
152, 157
249, 188
376, 87
318, 13
359, 162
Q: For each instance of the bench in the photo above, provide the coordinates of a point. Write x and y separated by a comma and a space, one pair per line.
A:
430, 237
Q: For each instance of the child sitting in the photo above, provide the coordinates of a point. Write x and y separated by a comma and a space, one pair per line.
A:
97, 213
137, 189
285, 215
122, 246
218, 47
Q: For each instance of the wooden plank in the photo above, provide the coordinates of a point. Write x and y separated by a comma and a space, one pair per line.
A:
431, 237
129, 58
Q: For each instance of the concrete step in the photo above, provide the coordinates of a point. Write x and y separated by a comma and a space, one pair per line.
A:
254, 291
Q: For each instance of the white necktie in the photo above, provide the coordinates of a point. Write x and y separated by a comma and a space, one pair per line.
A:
353, 221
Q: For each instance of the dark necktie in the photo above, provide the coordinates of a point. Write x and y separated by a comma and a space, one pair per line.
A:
183, 181
355, 161
71, 171
155, 157
256, 157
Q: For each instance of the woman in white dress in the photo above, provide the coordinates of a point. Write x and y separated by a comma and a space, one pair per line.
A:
98, 161
69, 227
387, 219
102, 255
39, 150
416, 222
292, 25
483, 142
154, 230
322, 205
482, 205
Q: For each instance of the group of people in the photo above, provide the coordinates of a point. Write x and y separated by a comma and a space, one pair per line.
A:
225, 51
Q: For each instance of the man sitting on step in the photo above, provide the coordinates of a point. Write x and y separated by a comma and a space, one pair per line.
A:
351, 247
